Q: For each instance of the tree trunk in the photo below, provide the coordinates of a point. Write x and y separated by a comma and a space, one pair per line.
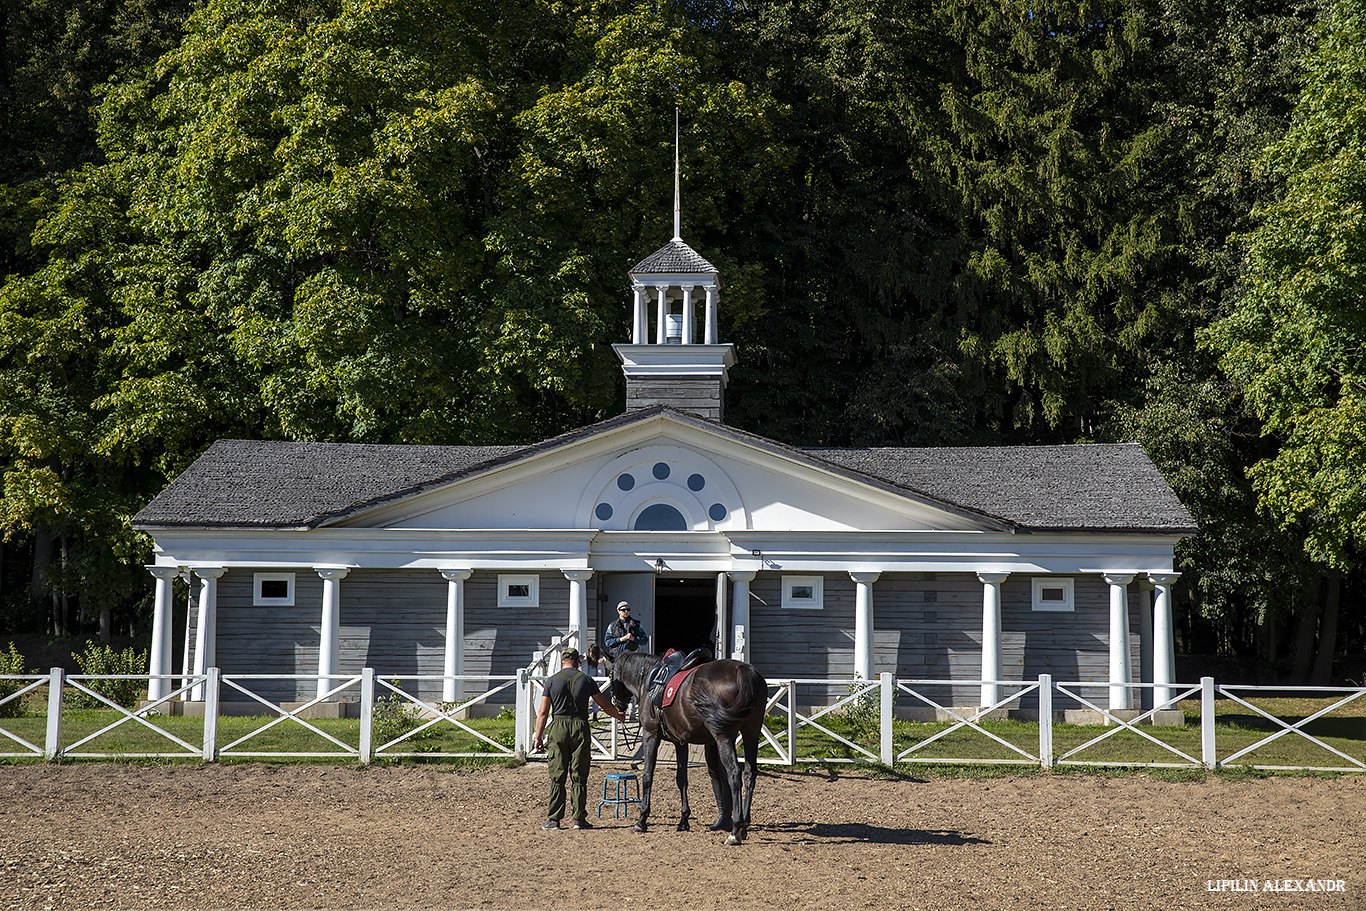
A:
106, 624
1306, 628
1322, 674
1268, 632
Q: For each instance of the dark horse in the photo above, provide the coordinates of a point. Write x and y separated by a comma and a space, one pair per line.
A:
715, 703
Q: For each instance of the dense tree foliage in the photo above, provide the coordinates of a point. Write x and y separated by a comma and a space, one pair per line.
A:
939, 221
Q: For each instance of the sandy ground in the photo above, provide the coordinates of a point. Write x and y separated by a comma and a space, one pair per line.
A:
258, 836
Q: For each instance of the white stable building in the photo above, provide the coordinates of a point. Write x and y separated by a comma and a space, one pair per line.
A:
977, 565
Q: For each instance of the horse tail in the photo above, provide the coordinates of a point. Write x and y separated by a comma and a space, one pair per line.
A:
739, 705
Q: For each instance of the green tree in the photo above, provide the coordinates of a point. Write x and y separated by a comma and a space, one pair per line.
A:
1295, 340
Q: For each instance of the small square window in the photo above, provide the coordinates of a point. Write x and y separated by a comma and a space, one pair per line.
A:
1053, 595
519, 591
804, 592
273, 590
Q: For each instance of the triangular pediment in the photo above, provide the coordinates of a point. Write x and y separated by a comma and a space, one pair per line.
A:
661, 470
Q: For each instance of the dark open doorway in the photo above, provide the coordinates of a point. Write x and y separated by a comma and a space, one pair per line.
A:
685, 614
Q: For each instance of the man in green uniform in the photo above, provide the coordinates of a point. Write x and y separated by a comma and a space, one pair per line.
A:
570, 751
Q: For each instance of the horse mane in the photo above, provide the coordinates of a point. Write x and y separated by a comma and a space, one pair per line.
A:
631, 669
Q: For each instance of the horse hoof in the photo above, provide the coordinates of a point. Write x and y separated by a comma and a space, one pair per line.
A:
638, 828
721, 825
732, 840
684, 827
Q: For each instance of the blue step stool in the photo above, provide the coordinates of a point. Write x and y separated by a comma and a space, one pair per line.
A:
625, 790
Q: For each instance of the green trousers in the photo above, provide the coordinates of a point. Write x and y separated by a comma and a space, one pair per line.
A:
570, 752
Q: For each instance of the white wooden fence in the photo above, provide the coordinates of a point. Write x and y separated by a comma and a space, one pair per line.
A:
792, 721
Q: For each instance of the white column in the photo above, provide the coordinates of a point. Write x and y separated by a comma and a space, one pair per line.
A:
330, 627
1164, 641
688, 315
640, 326
191, 611
709, 333
1145, 641
578, 604
160, 659
455, 631
206, 631
1121, 697
991, 636
739, 615
661, 329
863, 624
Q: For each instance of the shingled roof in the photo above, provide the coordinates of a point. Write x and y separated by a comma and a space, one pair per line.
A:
1090, 487
672, 258
273, 484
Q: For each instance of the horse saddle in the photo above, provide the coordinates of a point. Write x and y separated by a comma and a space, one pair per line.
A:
666, 676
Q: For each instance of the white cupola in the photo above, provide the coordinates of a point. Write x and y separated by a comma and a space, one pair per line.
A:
680, 363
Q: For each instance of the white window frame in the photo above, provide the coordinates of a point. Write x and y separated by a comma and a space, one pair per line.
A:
1068, 602
260, 600
815, 602
531, 580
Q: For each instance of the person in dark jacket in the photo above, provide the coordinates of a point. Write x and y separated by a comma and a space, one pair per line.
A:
624, 634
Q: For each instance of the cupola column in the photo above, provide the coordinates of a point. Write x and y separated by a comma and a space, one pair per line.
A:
687, 315
662, 328
709, 333
640, 329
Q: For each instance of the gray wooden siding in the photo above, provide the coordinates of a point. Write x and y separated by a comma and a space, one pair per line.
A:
929, 627
701, 396
391, 620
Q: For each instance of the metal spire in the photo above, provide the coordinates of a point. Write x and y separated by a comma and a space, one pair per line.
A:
677, 208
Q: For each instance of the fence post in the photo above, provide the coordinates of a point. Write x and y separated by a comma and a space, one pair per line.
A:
212, 678
791, 723
53, 747
1046, 721
367, 713
1207, 753
885, 717
520, 744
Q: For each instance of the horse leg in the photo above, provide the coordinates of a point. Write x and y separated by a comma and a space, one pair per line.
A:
650, 746
682, 750
725, 748
751, 773
720, 788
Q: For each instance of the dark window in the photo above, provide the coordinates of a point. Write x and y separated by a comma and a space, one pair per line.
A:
660, 517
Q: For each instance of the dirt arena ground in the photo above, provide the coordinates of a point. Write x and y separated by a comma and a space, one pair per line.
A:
84, 836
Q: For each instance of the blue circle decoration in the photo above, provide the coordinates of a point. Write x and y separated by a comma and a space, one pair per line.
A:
696, 482
661, 470
717, 512
626, 482
604, 511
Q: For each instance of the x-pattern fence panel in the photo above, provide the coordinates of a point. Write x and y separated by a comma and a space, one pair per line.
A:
441, 715
783, 697
1297, 728
972, 722
1118, 724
